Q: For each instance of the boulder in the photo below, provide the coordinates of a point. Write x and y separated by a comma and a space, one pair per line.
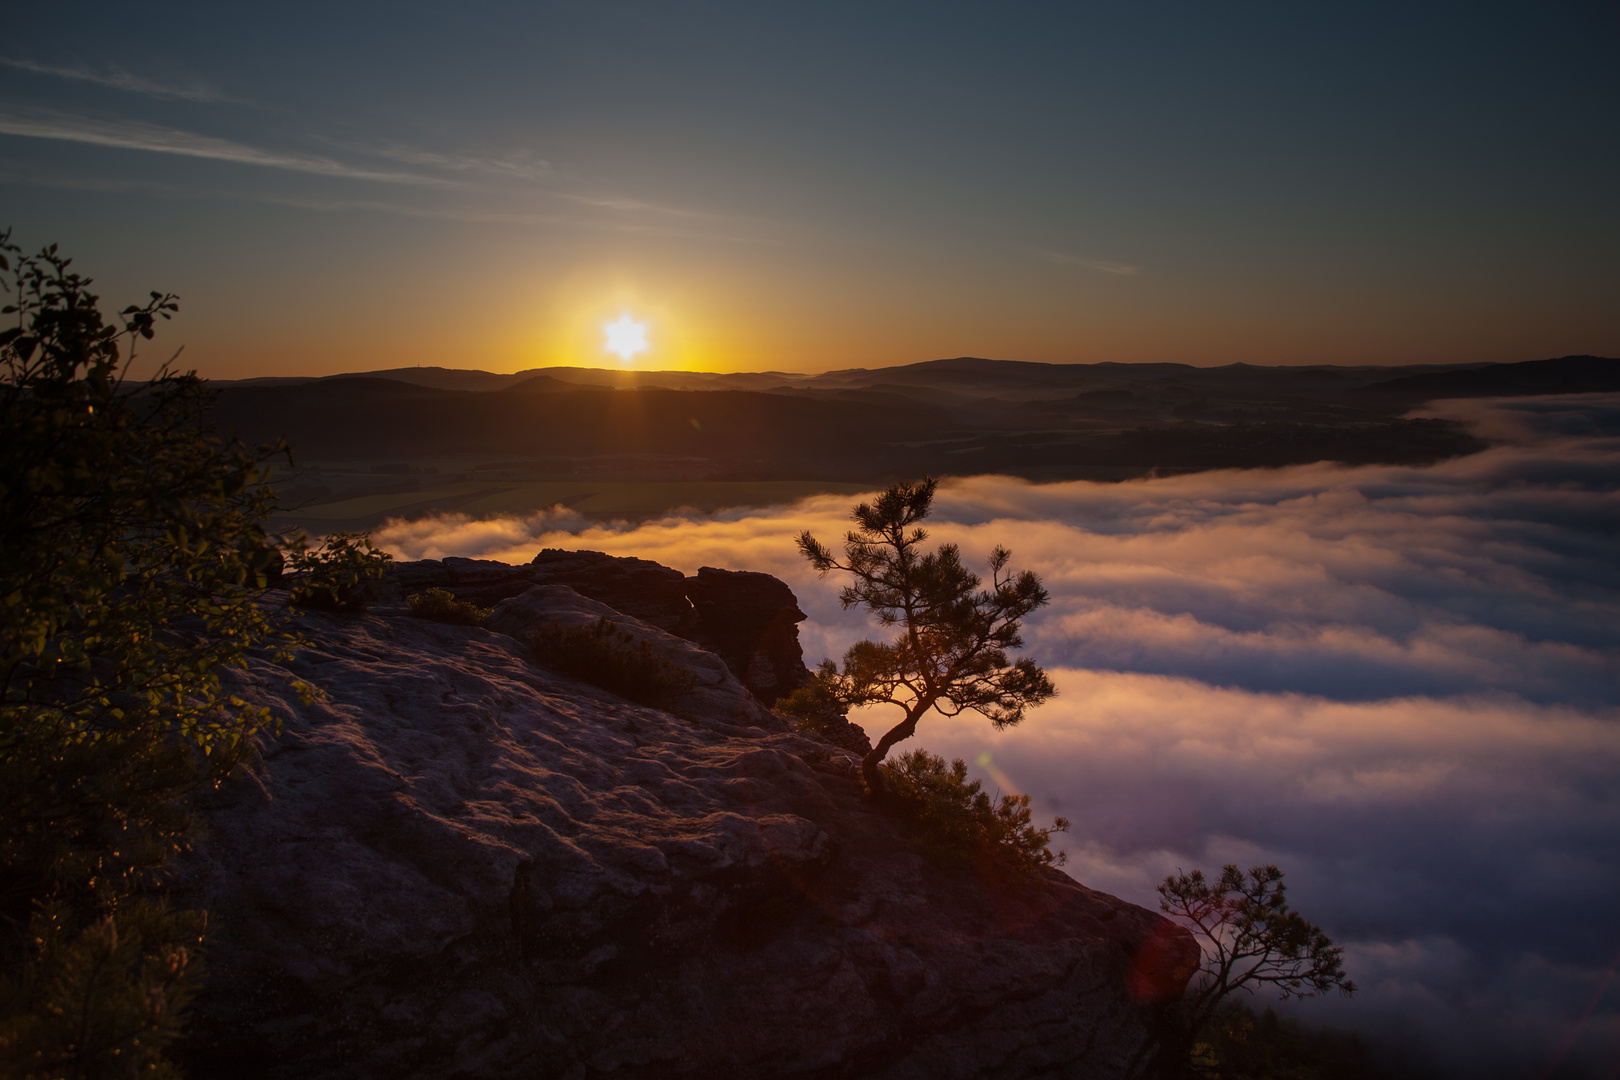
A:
652, 593
717, 695
749, 620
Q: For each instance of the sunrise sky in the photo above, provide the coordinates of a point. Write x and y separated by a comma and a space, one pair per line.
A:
805, 187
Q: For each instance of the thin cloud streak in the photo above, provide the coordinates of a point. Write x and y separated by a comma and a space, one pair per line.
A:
635, 206
618, 216
139, 135
515, 166
164, 140
475, 216
1117, 269
120, 79
461, 213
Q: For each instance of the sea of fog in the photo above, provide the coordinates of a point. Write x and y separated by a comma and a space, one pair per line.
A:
1401, 685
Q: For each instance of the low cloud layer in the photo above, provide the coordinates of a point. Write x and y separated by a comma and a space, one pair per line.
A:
1397, 683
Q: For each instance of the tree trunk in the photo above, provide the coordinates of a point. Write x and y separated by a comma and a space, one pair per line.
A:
905, 729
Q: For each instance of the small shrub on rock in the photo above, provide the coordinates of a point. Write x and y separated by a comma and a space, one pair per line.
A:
1240, 1042
816, 705
105, 1000
609, 657
340, 575
958, 824
817, 709
441, 605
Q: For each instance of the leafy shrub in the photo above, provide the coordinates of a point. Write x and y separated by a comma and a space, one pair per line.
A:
441, 605
606, 656
104, 1000
816, 706
958, 824
1241, 1044
135, 557
340, 575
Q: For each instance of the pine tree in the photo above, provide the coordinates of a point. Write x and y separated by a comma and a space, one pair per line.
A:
950, 654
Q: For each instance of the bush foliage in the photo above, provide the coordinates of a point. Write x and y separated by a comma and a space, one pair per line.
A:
441, 605
1240, 1044
135, 560
959, 825
605, 655
129, 978
817, 705
340, 575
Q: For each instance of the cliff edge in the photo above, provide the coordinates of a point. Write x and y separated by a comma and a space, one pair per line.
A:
454, 862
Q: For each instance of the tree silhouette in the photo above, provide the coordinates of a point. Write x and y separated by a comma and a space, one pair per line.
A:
951, 652
135, 560
1251, 938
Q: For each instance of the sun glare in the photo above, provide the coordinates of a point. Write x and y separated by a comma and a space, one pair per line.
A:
626, 337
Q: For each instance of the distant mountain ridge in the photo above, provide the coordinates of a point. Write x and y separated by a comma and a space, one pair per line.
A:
954, 417
1568, 374
473, 379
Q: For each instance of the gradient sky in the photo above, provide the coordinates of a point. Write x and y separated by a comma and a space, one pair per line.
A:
802, 187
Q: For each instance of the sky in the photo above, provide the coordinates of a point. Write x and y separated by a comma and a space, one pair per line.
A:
1396, 683
804, 187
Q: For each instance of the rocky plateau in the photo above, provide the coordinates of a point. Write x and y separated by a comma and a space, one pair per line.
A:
455, 862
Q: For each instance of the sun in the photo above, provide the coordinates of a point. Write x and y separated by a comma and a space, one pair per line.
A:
626, 337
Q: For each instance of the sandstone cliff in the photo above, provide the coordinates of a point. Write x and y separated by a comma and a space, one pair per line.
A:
454, 862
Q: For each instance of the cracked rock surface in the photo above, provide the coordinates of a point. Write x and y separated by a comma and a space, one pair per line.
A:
457, 863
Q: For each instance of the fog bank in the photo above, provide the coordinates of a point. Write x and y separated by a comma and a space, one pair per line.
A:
1397, 683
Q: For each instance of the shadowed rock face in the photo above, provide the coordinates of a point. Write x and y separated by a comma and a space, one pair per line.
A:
749, 620
752, 622
454, 862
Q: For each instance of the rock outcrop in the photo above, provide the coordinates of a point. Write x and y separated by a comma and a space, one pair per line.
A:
453, 862
751, 621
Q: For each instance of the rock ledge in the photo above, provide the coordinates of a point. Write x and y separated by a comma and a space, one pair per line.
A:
456, 863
